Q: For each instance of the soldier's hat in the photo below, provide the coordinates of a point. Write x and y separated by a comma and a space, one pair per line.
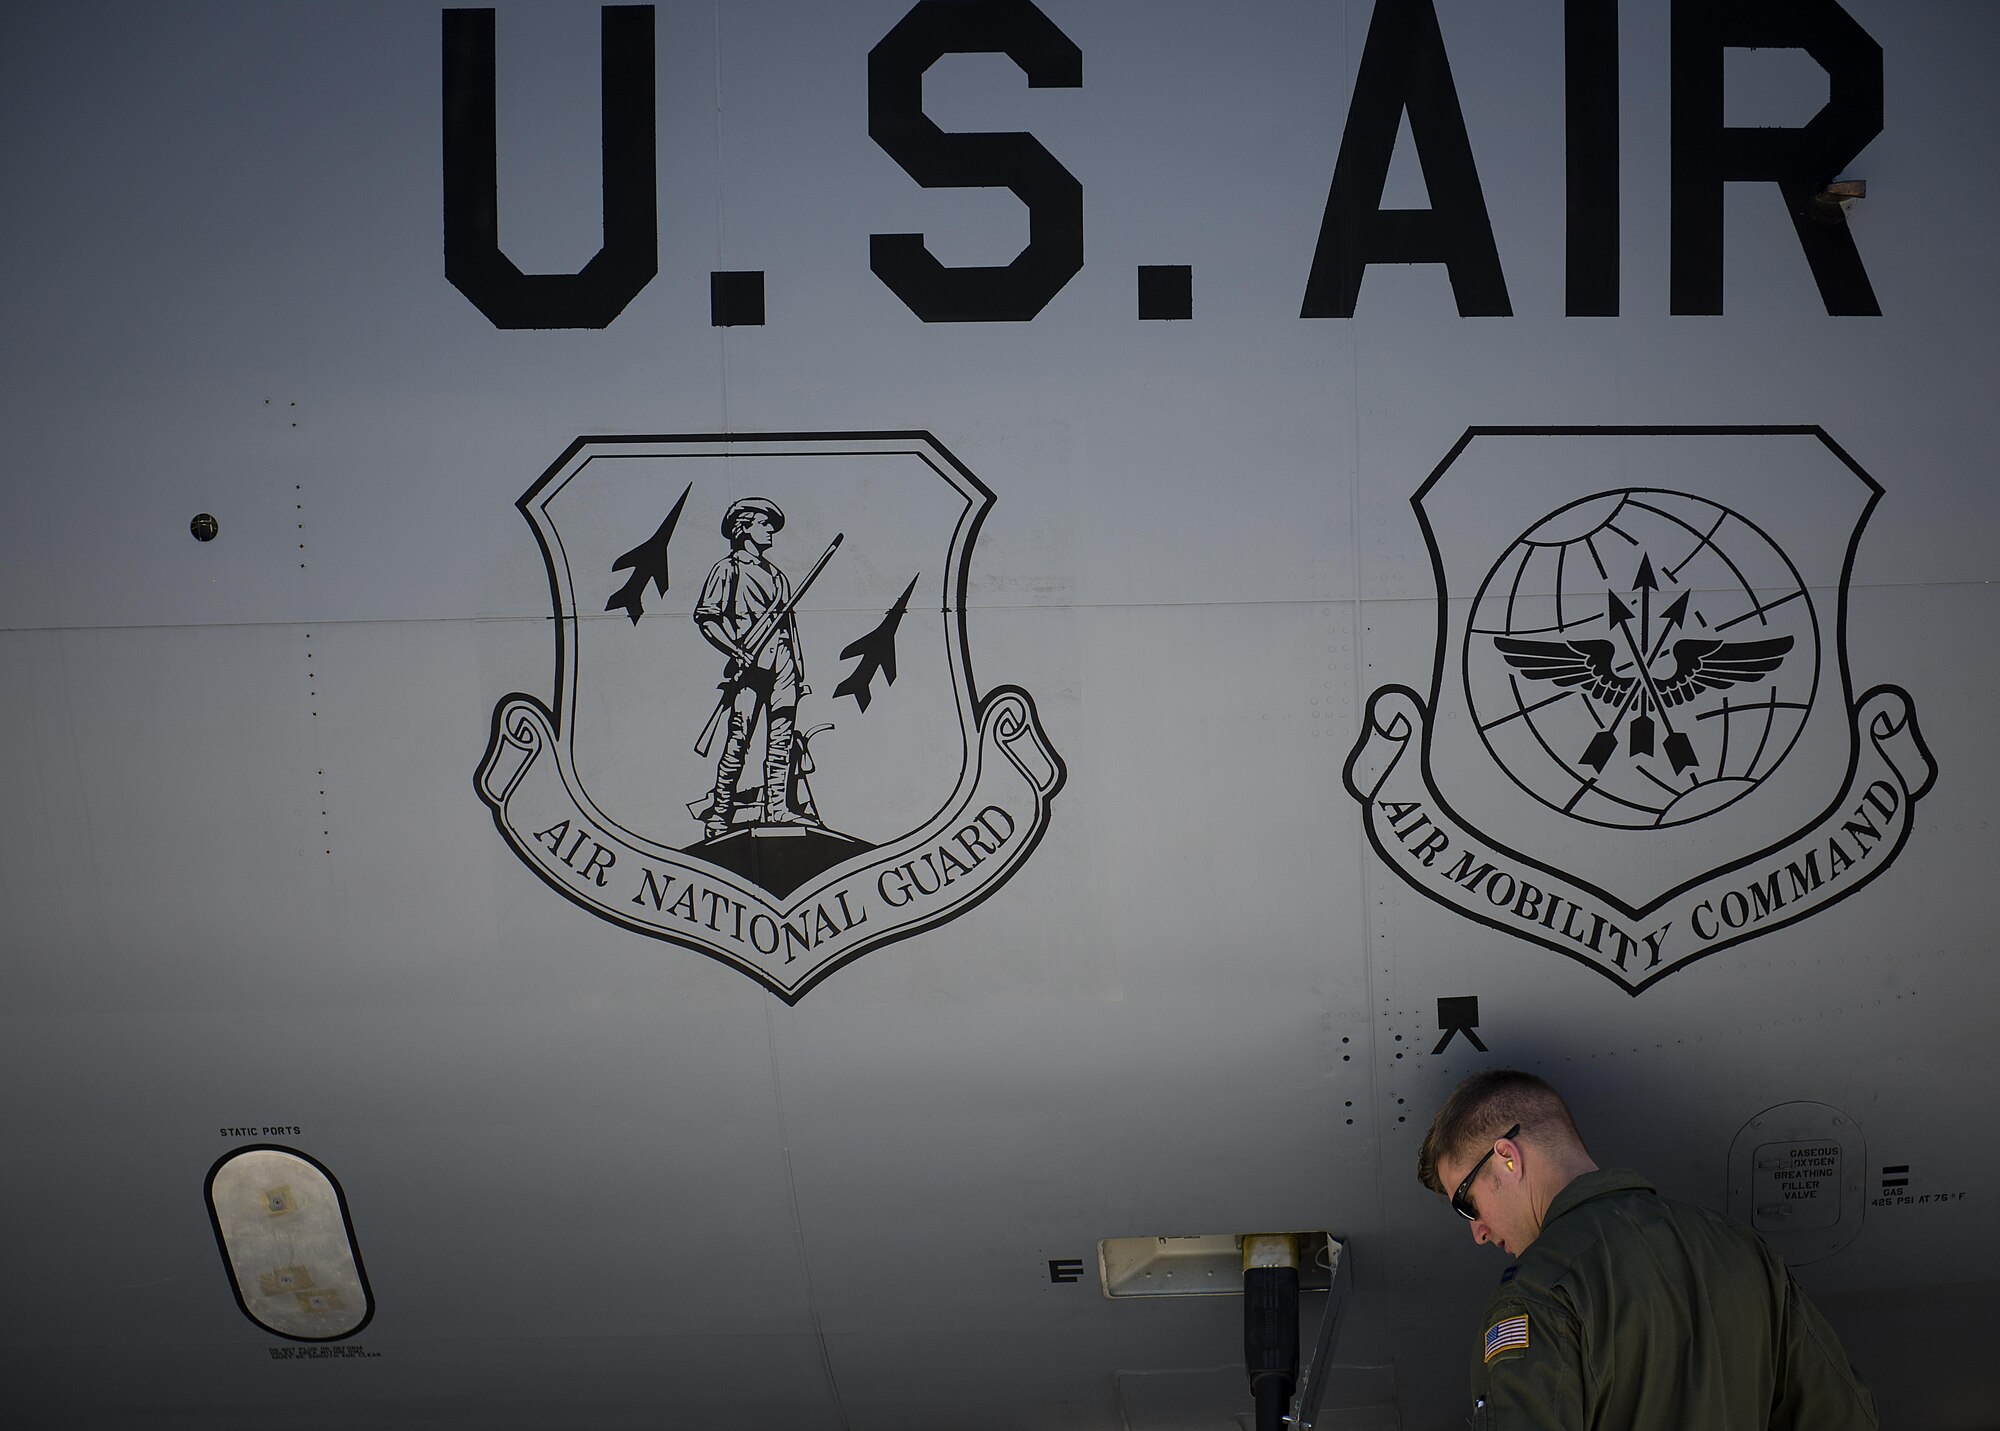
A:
752, 504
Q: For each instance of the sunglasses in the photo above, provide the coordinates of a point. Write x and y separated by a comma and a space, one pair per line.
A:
1461, 1202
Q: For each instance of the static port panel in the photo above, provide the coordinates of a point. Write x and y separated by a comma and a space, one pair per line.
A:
282, 1224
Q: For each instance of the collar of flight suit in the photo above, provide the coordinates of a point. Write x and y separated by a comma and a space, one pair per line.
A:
1600, 1183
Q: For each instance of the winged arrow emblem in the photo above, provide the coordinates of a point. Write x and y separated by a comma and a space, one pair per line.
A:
1699, 665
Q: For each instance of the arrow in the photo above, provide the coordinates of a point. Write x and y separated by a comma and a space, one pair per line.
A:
646, 562
1674, 616
1605, 742
876, 650
1679, 751
1646, 584
1640, 734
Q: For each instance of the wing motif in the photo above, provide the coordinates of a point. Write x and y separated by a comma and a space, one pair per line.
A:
1570, 663
1710, 665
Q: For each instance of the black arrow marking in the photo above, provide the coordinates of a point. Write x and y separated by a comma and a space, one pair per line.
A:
1644, 691
1679, 751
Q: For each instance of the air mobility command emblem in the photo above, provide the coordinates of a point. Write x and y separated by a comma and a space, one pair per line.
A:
765, 742
1640, 744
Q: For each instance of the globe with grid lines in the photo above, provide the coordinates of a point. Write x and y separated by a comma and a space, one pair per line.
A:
1641, 658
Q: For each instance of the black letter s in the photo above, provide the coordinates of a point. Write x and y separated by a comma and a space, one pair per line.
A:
937, 160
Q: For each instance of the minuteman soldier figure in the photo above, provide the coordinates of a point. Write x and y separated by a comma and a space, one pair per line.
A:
740, 589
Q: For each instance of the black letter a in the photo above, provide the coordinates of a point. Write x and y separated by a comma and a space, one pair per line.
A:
1403, 66
631, 252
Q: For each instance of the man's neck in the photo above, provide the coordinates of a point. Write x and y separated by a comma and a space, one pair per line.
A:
1558, 1171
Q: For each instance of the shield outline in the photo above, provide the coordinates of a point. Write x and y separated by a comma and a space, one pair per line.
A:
1007, 708
1838, 658
1879, 700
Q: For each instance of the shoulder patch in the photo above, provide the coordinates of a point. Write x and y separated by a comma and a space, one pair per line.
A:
1509, 1275
1508, 1336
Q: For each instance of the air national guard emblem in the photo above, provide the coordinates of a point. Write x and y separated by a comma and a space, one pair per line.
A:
1641, 744
765, 741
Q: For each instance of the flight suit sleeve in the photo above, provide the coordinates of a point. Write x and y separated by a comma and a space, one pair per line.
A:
1818, 1389
1527, 1368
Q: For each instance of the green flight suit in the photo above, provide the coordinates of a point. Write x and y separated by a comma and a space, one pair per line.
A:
1631, 1312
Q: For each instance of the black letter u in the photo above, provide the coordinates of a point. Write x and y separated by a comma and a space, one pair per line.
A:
630, 256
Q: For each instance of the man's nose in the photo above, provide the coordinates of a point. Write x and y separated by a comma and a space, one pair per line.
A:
1481, 1233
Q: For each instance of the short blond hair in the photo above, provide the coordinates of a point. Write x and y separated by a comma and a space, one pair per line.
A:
1482, 1109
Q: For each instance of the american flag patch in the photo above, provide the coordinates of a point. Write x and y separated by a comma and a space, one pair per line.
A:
1510, 1334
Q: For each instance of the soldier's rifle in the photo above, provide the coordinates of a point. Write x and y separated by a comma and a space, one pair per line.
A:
753, 643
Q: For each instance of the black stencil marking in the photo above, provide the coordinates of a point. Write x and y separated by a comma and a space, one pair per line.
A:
1404, 69
875, 653
1801, 162
647, 562
1017, 291
473, 260
1166, 291
1459, 1015
736, 300
1590, 85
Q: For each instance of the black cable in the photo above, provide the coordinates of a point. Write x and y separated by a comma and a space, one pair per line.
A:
1274, 1394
